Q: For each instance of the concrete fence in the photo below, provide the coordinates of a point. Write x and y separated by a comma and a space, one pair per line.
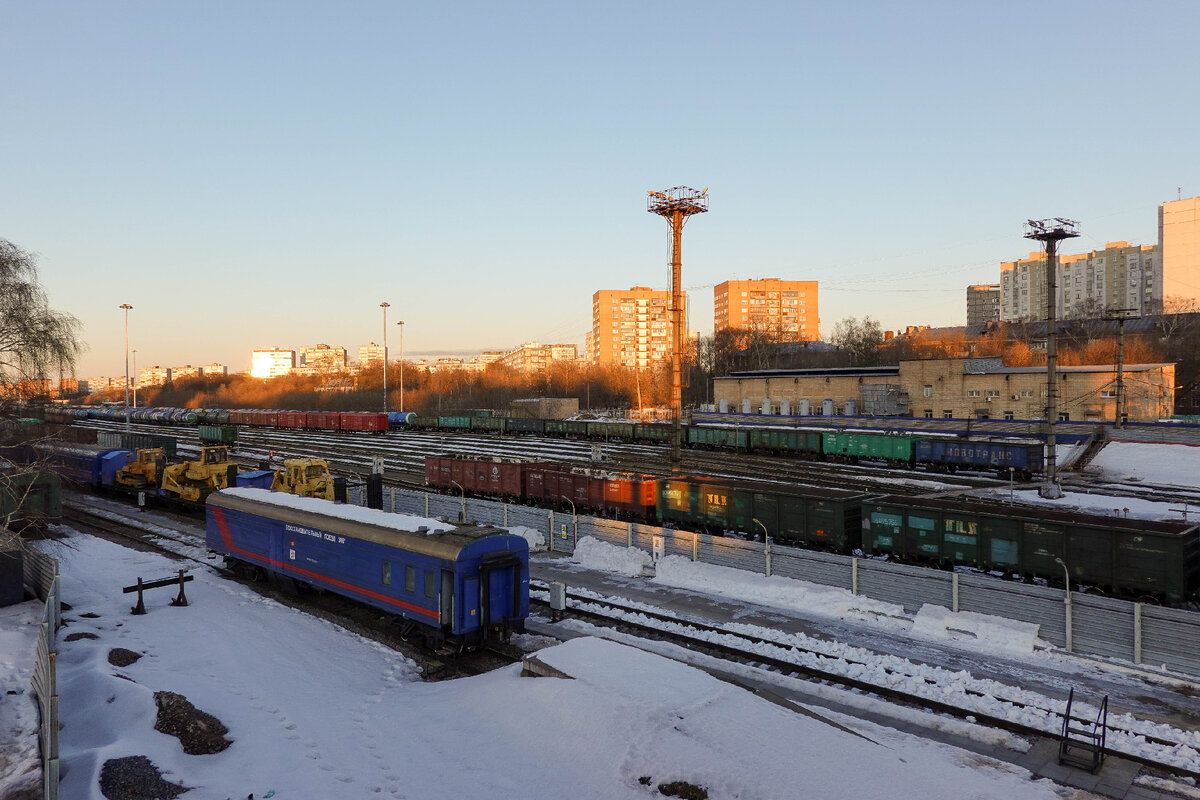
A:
41, 576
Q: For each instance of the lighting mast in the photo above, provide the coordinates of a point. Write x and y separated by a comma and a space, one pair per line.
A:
1050, 232
676, 205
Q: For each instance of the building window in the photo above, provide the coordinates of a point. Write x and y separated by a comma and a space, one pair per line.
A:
929, 413
972, 393
929, 390
1008, 415
947, 414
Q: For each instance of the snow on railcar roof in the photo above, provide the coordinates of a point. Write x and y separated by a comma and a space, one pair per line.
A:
316, 505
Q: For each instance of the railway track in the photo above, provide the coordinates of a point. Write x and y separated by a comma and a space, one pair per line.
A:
894, 679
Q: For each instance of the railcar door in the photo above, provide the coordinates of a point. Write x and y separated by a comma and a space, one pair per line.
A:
446, 600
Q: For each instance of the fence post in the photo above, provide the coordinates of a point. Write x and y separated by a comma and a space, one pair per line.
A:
550, 530
767, 549
954, 591
506, 515
427, 504
1137, 633
695, 546
854, 577
629, 534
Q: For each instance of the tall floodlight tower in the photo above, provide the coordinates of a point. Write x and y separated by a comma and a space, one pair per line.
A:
1050, 232
676, 206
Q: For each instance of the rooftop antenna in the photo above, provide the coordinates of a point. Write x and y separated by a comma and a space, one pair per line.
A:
1050, 232
676, 205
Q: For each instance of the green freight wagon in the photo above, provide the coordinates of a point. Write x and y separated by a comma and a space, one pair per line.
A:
785, 440
1127, 556
525, 425
454, 423
895, 448
717, 437
556, 427
217, 434
488, 424
610, 430
654, 432
821, 518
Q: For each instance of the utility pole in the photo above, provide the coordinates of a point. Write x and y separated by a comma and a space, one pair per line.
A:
1050, 232
676, 205
1120, 315
126, 308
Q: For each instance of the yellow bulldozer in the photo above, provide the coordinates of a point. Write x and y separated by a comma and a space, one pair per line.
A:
196, 480
307, 477
143, 470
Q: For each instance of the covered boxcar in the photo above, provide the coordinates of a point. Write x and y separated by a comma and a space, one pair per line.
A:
1022, 456
1128, 556
462, 586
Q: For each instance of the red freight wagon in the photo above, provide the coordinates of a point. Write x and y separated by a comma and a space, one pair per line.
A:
322, 420
291, 419
238, 418
630, 494
357, 421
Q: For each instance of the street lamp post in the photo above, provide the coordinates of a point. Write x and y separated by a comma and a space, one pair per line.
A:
766, 544
574, 522
126, 308
385, 305
401, 325
1067, 599
462, 517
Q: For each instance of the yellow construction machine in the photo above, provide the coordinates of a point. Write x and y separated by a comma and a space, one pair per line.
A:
307, 477
143, 470
196, 480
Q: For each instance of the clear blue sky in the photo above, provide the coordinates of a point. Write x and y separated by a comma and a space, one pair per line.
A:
266, 173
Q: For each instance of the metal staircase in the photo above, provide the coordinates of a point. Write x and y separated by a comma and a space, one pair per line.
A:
1082, 742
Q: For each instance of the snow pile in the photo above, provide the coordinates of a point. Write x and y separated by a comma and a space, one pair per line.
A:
1105, 505
771, 591
536, 539
19, 760
1167, 464
981, 631
595, 554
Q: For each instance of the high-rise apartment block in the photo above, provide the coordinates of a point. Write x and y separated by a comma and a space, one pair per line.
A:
1179, 240
631, 327
370, 355
983, 303
320, 358
1121, 276
787, 309
272, 363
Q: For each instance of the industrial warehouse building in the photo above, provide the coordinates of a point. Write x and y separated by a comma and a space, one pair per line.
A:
960, 388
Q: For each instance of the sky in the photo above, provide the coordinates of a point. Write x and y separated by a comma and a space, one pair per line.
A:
258, 175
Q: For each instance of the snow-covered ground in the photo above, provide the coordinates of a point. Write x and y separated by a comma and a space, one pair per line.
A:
1162, 464
315, 712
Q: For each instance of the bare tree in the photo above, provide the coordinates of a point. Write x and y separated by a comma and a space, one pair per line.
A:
36, 341
861, 340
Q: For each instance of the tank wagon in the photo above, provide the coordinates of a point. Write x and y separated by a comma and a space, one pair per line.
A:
463, 587
1125, 556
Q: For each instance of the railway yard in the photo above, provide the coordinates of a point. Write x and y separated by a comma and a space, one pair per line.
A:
854, 667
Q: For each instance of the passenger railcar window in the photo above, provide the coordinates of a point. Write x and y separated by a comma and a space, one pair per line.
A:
430, 585
387, 573
410, 579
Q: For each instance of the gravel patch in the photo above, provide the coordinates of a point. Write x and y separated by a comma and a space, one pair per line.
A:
136, 778
199, 733
120, 657
74, 637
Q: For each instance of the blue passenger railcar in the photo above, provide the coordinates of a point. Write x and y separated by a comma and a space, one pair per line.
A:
87, 464
462, 587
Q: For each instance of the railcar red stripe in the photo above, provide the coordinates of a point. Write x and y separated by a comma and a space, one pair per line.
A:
284, 566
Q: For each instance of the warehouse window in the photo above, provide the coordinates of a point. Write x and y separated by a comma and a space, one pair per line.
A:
947, 414
1008, 415
929, 413
387, 573
929, 390
410, 579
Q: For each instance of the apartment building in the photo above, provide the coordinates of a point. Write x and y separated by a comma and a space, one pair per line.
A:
271, 363
983, 303
370, 355
534, 356
1179, 240
786, 308
1121, 276
320, 358
632, 327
